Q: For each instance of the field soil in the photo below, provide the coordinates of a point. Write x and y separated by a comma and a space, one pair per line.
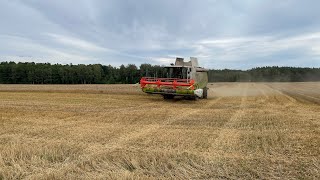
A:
242, 131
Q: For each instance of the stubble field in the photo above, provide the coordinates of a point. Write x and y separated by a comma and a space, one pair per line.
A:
242, 131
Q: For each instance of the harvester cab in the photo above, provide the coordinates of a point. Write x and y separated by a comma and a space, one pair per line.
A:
182, 79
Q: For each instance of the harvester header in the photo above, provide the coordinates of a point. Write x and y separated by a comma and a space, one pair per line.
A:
183, 79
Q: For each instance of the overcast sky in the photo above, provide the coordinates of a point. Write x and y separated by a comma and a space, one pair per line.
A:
238, 34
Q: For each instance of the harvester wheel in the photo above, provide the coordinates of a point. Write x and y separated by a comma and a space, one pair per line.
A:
205, 93
168, 96
195, 98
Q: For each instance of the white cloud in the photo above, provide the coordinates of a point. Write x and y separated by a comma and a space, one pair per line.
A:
27, 49
243, 48
76, 43
116, 32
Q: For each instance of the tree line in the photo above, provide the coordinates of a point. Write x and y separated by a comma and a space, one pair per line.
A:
266, 74
46, 73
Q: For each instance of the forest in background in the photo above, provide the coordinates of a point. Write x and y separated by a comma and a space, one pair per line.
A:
46, 73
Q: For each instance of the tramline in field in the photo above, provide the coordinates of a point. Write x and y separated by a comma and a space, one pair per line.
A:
183, 79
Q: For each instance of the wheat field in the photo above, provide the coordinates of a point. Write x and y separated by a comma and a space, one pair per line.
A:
242, 131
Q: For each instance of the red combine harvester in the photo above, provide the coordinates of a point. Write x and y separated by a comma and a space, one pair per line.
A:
183, 79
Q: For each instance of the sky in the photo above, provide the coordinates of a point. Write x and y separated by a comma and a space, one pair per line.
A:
234, 34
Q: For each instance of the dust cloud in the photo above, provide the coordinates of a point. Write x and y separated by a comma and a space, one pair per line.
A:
239, 89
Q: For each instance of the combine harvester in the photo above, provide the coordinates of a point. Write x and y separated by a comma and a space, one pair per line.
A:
185, 79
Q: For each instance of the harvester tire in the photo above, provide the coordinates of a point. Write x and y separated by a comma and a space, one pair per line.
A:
168, 96
205, 93
194, 98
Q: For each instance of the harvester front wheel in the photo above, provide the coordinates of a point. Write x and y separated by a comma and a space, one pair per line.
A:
168, 96
195, 98
205, 93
